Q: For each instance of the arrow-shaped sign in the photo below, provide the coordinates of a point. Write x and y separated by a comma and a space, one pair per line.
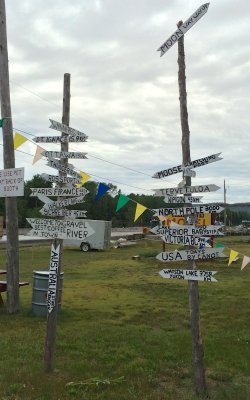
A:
175, 212
53, 272
183, 28
175, 229
62, 212
182, 200
59, 139
186, 190
194, 254
185, 240
61, 179
59, 192
58, 126
63, 154
194, 164
53, 205
189, 274
60, 167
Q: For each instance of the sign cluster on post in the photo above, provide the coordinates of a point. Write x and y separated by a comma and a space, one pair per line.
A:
69, 225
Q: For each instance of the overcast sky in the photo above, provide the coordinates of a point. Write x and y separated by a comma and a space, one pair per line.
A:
125, 97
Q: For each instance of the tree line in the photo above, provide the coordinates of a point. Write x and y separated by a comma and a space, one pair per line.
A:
104, 208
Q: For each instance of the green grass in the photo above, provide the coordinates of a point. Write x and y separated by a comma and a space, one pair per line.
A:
124, 332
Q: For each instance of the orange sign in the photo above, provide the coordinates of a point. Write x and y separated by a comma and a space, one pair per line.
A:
203, 219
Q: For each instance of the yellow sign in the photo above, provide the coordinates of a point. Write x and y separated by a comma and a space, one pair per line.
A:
203, 219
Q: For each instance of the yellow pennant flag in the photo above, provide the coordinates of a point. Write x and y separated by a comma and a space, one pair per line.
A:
38, 154
85, 178
232, 257
18, 140
139, 210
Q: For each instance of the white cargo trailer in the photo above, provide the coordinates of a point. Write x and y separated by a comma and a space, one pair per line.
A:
98, 241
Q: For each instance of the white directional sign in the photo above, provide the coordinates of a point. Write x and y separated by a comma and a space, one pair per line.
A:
186, 190
58, 126
183, 28
12, 182
186, 240
59, 139
194, 164
63, 154
176, 229
194, 254
175, 212
60, 228
189, 274
59, 191
60, 167
63, 212
53, 205
53, 272
61, 179
182, 200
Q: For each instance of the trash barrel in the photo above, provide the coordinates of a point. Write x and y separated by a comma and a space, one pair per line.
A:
39, 294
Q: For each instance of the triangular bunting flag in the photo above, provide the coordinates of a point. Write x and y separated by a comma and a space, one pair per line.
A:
245, 261
122, 200
85, 178
38, 154
219, 245
1, 123
18, 140
233, 255
102, 189
139, 210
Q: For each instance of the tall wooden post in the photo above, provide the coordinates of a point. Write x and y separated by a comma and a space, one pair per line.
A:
50, 341
12, 249
197, 347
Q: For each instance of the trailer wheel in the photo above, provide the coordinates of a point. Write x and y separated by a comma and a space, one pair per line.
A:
85, 247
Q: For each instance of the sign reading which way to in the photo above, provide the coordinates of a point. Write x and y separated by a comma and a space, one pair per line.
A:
194, 164
189, 274
186, 190
183, 29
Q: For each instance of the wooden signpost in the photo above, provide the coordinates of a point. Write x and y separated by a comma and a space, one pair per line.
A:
183, 29
189, 274
188, 210
187, 190
193, 164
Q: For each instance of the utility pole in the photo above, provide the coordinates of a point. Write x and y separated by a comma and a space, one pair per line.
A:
197, 347
225, 202
12, 248
50, 341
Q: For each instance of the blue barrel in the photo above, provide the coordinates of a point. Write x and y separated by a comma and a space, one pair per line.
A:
39, 293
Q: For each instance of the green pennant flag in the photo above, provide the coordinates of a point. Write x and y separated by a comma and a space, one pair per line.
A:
122, 200
219, 245
1, 123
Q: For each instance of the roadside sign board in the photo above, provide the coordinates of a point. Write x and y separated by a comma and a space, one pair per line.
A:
186, 190
182, 200
191, 254
53, 205
61, 179
59, 139
210, 230
12, 182
194, 164
63, 212
202, 219
183, 28
59, 191
53, 272
63, 154
185, 240
60, 228
189, 210
189, 274
60, 167
58, 126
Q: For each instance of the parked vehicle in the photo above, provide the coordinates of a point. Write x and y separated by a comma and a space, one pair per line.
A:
100, 240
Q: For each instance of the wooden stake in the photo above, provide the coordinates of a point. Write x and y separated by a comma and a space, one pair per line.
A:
50, 340
197, 348
12, 246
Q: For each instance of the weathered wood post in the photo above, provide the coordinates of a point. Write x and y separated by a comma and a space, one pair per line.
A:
12, 248
197, 347
50, 340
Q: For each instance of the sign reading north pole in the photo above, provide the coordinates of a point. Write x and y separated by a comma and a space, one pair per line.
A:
188, 210
183, 29
12, 182
53, 272
189, 274
193, 164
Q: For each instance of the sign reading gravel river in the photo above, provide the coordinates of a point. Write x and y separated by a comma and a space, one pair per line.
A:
189, 274
191, 254
53, 270
61, 229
